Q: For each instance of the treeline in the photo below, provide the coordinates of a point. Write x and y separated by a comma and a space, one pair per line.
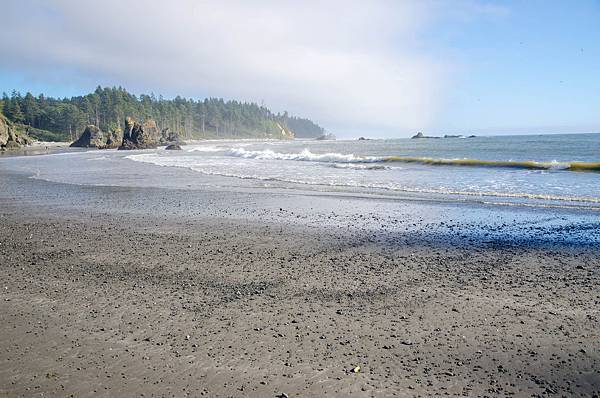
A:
107, 108
303, 128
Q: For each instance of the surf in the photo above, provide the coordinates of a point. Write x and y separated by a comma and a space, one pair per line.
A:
527, 164
340, 158
305, 156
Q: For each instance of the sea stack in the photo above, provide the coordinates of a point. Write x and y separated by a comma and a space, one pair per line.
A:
139, 136
93, 137
168, 137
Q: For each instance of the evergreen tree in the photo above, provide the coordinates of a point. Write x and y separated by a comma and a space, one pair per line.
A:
107, 108
14, 111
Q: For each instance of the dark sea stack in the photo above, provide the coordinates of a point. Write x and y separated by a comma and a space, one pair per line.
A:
92, 137
168, 137
114, 139
173, 147
420, 135
140, 136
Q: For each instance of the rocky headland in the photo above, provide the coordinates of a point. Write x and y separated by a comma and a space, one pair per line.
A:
11, 137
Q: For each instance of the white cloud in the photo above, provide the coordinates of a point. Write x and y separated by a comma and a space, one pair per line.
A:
350, 65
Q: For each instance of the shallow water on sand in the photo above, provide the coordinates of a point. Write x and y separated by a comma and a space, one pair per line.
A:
347, 179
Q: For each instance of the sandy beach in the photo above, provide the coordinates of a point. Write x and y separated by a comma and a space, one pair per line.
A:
287, 199
225, 294
37, 148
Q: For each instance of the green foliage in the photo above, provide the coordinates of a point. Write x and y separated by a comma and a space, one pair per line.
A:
45, 135
303, 128
107, 108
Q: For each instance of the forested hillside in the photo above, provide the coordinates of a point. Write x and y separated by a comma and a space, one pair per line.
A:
106, 108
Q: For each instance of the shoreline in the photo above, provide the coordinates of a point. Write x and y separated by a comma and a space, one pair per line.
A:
37, 148
242, 294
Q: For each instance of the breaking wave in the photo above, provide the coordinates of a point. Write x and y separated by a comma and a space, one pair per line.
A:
340, 158
527, 164
209, 148
165, 162
305, 155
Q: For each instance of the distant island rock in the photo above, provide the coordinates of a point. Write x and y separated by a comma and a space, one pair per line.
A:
364, 139
421, 135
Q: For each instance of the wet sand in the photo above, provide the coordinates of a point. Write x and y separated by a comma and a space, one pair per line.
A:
247, 295
38, 148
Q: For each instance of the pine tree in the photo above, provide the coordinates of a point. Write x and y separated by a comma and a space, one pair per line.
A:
107, 108
15, 113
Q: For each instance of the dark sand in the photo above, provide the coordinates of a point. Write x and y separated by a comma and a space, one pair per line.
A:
145, 300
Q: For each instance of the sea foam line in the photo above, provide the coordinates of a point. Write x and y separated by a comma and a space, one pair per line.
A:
527, 164
333, 157
482, 194
305, 155
155, 159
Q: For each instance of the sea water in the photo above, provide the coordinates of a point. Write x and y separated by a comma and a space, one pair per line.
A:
551, 170
529, 170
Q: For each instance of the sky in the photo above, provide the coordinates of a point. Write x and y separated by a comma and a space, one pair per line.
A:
370, 68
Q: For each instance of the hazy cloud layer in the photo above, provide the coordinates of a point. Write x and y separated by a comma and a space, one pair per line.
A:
347, 64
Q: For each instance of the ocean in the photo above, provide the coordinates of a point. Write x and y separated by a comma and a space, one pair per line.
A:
530, 170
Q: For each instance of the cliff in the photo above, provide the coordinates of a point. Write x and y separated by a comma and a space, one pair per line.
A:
11, 136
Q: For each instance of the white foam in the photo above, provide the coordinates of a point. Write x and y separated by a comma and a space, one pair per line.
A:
358, 166
189, 164
205, 148
305, 155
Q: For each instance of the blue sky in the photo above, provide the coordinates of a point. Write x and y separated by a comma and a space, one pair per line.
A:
381, 68
537, 67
